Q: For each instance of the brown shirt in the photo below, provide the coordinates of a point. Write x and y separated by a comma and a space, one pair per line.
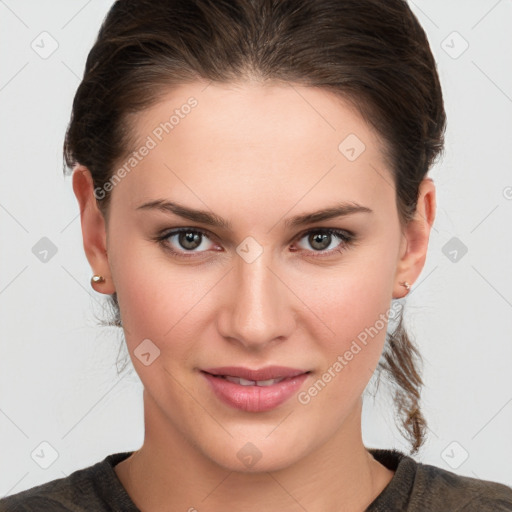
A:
415, 487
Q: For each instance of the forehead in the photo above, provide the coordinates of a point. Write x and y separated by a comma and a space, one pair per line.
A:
251, 140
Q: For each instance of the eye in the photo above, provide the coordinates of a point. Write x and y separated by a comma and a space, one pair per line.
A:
185, 239
321, 238
181, 241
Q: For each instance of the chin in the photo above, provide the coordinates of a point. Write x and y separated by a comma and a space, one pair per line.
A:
258, 455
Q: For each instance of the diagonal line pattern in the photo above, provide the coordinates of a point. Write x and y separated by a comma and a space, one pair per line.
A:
197, 402
171, 328
82, 286
424, 14
272, 431
14, 76
312, 107
491, 80
506, 403
301, 198
382, 176
165, 165
13, 279
393, 187
69, 223
71, 70
207, 85
4, 4
428, 428
494, 288
286, 491
76, 14
492, 211
486, 14
13, 423
9, 492
301, 300
217, 486
82, 418
422, 281
102, 305
15, 219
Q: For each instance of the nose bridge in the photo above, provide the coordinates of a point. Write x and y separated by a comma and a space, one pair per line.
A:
257, 311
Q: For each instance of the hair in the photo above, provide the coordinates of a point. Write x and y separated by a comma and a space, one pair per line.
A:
372, 53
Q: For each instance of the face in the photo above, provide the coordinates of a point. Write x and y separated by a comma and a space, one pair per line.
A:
259, 289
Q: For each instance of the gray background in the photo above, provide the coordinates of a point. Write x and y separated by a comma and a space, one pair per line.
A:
63, 405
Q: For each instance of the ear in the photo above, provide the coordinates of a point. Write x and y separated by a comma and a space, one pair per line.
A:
93, 228
413, 250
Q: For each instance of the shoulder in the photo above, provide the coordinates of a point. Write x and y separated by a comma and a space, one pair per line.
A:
417, 487
56, 496
444, 489
91, 488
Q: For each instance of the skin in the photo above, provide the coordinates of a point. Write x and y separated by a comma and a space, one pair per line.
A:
255, 155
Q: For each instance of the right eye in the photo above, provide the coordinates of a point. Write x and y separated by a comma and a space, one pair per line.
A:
183, 240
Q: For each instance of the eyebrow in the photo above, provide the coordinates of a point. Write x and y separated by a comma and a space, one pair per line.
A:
210, 219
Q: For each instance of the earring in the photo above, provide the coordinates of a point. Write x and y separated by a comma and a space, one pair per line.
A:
406, 284
97, 279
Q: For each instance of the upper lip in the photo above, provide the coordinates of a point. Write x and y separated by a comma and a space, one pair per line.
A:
267, 373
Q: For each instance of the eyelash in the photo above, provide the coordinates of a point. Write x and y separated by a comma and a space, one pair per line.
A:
346, 237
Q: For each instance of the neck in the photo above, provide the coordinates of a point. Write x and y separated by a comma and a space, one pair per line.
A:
167, 473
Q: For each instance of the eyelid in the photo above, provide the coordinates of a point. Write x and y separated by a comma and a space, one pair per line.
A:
334, 230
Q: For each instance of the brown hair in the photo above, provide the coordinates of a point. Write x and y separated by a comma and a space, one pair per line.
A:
373, 53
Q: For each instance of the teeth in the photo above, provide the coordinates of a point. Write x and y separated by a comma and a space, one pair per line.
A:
245, 382
268, 382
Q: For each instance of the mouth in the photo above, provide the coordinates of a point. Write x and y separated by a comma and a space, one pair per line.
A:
261, 376
255, 390
246, 382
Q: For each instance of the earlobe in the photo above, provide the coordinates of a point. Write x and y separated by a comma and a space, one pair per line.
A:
93, 229
416, 237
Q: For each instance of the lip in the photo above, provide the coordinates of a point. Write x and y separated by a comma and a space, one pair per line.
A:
269, 372
255, 398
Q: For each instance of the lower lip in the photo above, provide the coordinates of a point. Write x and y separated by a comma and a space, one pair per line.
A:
255, 398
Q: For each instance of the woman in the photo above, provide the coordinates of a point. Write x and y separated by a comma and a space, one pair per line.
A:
253, 190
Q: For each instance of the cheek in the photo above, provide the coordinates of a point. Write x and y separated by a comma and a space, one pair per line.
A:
155, 300
162, 301
355, 315
353, 307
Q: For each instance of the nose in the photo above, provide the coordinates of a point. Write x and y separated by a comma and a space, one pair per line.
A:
257, 307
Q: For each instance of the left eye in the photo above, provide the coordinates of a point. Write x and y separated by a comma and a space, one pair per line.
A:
321, 239
191, 240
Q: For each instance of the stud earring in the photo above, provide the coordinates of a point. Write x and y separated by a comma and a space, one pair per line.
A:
406, 284
97, 279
